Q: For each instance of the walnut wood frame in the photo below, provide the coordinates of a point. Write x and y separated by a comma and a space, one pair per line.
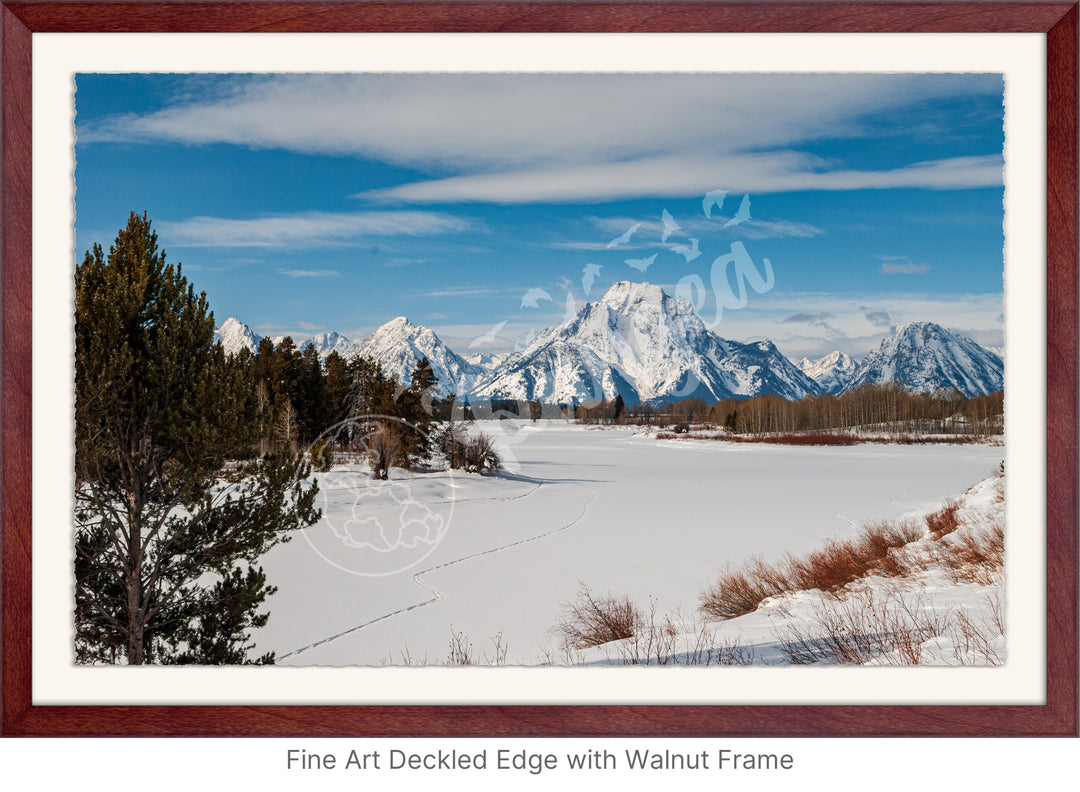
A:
1058, 717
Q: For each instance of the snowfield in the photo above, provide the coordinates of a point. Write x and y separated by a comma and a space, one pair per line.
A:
395, 570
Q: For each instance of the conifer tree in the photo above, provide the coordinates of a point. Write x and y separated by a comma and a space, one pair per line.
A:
312, 400
167, 535
337, 386
415, 405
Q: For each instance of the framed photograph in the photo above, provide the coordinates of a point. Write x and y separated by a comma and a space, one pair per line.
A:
539, 369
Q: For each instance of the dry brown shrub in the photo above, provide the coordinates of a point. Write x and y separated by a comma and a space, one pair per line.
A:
838, 563
384, 446
879, 540
830, 568
945, 520
974, 641
592, 621
740, 591
864, 628
977, 557
805, 438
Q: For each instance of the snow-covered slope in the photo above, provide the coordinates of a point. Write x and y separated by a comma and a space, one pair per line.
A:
234, 335
831, 372
923, 357
325, 343
486, 360
644, 345
399, 345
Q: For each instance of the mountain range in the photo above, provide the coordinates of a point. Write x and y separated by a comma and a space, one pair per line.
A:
831, 372
922, 357
644, 345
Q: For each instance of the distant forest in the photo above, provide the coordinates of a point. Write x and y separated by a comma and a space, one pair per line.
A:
299, 396
871, 408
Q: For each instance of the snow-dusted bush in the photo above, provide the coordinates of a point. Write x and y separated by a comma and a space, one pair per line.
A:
473, 453
480, 454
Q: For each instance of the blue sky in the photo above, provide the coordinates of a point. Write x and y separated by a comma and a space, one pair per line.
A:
305, 203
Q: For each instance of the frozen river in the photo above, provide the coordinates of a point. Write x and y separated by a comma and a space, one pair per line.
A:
616, 510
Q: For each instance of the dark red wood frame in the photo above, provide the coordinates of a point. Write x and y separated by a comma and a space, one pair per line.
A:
1058, 717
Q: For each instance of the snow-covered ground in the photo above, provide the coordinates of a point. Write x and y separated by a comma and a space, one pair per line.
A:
940, 606
611, 508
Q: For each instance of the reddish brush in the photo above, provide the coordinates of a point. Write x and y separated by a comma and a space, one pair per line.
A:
592, 621
838, 563
944, 521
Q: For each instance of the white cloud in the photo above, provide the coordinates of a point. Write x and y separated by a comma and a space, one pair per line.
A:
910, 268
306, 229
547, 137
683, 176
771, 229
302, 273
465, 291
900, 265
854, 323
649, 233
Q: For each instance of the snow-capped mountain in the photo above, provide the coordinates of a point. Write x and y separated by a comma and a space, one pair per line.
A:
325, 343
644, 345
831, 372
486, 360
923, 357
234, 335
399, 345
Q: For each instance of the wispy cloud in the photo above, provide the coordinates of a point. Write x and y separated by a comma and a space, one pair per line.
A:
649, 234
807, 318
310, 326
905, 268
878, 318
464, 291
820, 319
685, 176
545, 137
302, 273
307, 229
772, 229
814, 324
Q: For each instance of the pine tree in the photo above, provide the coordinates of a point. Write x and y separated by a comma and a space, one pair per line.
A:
370, 391
619, 408
313, 402
167, 535
337, 386
416, 407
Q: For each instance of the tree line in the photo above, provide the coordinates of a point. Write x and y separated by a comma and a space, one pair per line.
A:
886, 408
